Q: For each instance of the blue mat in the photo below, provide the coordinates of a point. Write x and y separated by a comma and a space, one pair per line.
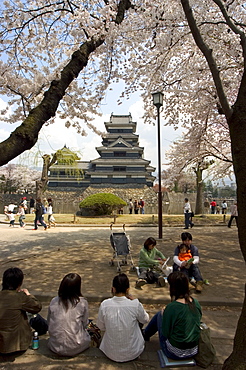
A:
168, 362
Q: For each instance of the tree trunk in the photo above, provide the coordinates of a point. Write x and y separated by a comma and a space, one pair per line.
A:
41, 184
199, 191
237, 126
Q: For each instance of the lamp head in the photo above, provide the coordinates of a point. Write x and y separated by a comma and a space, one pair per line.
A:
158, 99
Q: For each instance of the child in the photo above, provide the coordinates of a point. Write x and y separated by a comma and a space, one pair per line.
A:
21, 214
185, 253
189, 269
11, 218
51, 218
149, 258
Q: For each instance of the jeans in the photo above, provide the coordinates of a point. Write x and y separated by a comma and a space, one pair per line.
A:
188, 220
143, 272
153, 326
192, 271
21, 222
230, 221
41, 220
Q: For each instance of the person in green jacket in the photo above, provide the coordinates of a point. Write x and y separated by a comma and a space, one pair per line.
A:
178, 325
150, 258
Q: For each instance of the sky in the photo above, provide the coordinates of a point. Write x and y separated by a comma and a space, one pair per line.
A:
55, 136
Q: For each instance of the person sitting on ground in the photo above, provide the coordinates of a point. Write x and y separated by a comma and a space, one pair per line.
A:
15, 331
150, 258
190, 269
178, 325
68, 318
120, 317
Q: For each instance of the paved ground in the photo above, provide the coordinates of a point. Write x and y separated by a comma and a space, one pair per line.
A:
46, 257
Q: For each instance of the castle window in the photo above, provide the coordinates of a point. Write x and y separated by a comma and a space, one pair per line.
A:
119, 169
119, 154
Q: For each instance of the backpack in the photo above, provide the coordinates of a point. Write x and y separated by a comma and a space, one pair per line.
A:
44, 211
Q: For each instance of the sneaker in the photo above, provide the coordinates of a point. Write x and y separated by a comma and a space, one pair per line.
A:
191, 225
199, 286
161, 281
140, 283
191, 286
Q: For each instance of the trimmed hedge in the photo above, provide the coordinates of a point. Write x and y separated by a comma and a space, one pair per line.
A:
101, 204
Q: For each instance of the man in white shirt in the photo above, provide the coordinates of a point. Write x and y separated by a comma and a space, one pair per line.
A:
187, 214
120, 317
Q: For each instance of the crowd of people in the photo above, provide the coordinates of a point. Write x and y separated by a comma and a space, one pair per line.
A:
35, 207
122, 318
136, 206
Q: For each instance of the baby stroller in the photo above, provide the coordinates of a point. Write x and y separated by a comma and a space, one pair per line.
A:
121, 245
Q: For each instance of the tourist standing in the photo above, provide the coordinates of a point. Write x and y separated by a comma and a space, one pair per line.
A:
141, 206
32, 204
213, 206
136, 206
234, 214
130, 206
224, 207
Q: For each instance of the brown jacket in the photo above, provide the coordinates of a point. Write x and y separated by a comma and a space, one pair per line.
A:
15, 331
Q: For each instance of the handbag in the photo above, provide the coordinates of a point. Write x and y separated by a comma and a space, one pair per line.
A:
150, 277
206, 351
192, 214
94, 332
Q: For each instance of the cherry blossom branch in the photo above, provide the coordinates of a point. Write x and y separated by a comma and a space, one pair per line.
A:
208, 54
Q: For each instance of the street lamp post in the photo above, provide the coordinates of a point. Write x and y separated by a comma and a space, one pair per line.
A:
158, 102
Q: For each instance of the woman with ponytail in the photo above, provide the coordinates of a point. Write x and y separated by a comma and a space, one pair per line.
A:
178, 324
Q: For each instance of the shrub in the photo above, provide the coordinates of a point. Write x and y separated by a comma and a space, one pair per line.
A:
101, 204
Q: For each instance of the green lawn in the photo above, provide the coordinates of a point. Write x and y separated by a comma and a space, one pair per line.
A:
132, 219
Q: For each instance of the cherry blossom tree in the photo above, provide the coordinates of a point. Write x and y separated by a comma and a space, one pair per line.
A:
204, 147
18, 179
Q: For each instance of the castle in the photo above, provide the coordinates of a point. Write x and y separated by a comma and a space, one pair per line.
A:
120, 161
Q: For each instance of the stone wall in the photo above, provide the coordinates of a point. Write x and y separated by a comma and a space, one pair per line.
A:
67, 200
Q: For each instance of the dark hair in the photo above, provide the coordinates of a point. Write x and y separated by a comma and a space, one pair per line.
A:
179, 287
185, 236
121, 283
181, 246
70, 289
186, 199
12, 278
148, 242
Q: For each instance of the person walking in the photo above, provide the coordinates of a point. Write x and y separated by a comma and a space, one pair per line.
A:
187, 213
39, 215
